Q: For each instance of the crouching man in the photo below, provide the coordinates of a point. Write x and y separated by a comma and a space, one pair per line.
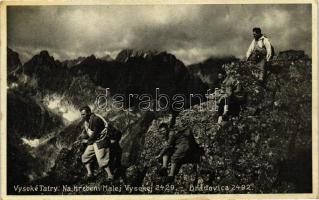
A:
233, 98
98, 142
180, 148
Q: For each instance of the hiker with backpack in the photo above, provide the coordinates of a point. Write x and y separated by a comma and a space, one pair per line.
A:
180, 148
98, 142
260, 52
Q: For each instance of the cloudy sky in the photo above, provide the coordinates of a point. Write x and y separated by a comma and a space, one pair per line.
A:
191, 32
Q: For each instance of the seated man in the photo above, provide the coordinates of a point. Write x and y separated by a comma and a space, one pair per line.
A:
181, 148
97, 142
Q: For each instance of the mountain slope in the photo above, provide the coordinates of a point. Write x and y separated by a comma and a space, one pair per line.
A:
28, 120
249, 154
260, 149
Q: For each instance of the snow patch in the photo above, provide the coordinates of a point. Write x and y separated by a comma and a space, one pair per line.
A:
31, 142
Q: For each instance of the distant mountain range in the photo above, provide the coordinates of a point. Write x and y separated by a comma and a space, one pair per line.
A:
129, 70
132, 72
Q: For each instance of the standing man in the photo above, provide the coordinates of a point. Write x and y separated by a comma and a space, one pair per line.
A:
260, 51
98, 142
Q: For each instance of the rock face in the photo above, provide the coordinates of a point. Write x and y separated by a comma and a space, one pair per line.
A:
48, 74
27, 119
141, 73
127, 54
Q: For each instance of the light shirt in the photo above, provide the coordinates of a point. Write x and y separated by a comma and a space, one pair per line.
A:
262, 42
87, 129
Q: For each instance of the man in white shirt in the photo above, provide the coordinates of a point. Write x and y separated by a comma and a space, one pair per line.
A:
98, 143
260, 52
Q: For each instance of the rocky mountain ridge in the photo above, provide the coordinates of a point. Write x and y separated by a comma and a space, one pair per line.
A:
137, 75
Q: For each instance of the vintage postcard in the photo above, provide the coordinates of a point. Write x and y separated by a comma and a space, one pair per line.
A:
163, 100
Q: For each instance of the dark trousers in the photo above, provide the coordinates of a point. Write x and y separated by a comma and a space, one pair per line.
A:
234, 106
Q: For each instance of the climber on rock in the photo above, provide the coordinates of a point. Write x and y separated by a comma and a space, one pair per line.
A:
232, 98
115, 150
260, 52
218, 82
98, 142
180, 148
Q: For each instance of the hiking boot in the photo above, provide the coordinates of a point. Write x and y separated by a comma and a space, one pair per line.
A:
88, 177
162, 171
110, 178
98, 172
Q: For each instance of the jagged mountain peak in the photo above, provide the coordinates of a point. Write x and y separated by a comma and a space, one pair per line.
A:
13, 62
106, 58
90, 59
72, 62
43, 58
126, 54
93, 57
44, 53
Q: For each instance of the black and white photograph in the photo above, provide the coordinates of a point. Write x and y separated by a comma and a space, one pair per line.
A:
159, 99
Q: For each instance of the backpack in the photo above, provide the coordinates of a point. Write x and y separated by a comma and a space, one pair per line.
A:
114, 134
272, 49
104, 138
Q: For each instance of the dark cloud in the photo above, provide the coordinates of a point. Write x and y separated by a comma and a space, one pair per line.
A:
191, 32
